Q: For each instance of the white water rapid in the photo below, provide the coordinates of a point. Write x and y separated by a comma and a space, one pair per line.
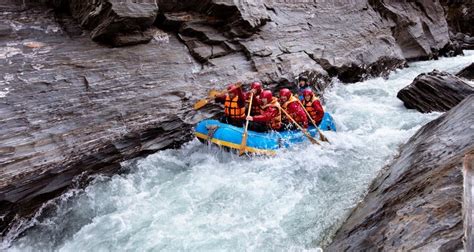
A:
199, 198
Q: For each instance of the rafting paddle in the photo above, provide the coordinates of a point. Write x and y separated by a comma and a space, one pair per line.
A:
243, 144
203, 102
311, 139
211, 95
321, 136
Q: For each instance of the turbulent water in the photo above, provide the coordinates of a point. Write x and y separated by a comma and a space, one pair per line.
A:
199, 198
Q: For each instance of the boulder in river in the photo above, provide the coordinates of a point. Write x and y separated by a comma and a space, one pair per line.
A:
415, 202
467, 72
434, 91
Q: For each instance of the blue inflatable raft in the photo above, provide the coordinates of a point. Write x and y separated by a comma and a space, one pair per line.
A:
260, 143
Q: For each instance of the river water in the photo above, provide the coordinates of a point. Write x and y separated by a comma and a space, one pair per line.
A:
199, 198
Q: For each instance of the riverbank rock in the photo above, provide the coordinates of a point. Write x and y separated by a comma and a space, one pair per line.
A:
468, 202
70, 106
467, 72
415, 203
434, 91
460, 17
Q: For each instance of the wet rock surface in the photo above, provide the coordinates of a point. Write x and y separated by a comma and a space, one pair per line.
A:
467, 72
434, 91
70, 106
419, 194
468, 202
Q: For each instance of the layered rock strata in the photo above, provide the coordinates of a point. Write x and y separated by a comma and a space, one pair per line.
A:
468, 202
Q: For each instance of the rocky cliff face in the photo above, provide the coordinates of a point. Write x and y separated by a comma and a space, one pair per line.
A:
69, 105
349, 39
419, 194
460, 17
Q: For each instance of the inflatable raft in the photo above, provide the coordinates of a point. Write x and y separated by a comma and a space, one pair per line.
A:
260, 143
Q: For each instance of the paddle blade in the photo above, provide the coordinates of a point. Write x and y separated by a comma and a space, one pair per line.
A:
213, 93
201, 103
323, 137
243, 145
311, 139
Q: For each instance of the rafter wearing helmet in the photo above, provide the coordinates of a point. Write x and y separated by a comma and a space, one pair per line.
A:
271, 113
255, 90
290, 103
313, 106
303, 84
234, 105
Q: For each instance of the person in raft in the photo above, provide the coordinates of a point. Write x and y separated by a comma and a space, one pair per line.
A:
255, 90
234, 105
313, 106
270, 117
303, 84
291, 105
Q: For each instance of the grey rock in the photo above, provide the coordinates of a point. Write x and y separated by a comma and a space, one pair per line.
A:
415, 202
388, 33
460, 17
434, 91
467, 72
5, 30
468, 202
72, 106
112, 21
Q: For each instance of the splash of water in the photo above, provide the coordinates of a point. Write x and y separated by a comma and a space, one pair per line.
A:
199, 198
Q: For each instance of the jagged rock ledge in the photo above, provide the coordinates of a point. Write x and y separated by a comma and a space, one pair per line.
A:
70, 106
415, 203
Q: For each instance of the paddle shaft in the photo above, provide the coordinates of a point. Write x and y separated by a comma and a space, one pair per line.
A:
244, 136
321, 136
312, 140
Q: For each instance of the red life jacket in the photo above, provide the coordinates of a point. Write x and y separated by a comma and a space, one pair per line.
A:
275, 123
297, 113
255, 109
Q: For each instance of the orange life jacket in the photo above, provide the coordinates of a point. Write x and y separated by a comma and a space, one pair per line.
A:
275, 123
232, 109
309, 107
